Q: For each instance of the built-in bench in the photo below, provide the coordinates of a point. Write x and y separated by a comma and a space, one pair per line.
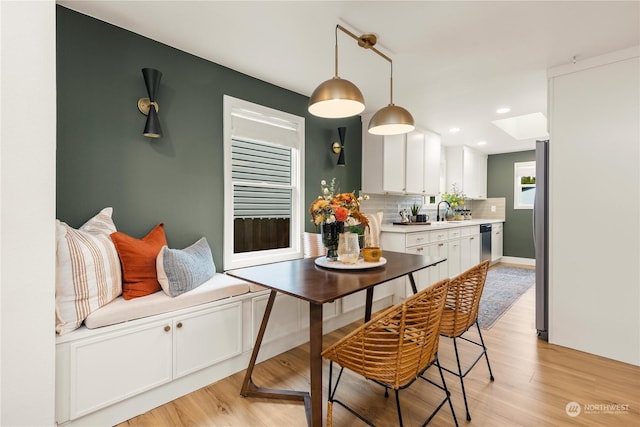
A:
133, 355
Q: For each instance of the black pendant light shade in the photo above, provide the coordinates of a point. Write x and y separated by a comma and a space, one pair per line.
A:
149, 106
342, 131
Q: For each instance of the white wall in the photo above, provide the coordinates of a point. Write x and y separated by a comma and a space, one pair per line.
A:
27, 212
594, 242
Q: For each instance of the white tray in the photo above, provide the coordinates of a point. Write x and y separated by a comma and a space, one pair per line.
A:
360, 265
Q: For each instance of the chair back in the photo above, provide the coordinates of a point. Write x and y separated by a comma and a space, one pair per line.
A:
398, 344
312, 245
463, 300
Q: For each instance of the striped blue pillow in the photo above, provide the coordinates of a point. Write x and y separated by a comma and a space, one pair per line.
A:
181, 270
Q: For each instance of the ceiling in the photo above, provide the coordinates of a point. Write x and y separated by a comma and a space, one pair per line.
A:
454, 62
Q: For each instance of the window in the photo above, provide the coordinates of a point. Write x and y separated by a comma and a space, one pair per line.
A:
263, 191
524, 185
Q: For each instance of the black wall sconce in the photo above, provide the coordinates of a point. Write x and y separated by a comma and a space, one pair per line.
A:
338, 147
149, 106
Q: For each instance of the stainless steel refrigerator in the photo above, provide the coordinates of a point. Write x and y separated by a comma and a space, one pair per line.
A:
541, 238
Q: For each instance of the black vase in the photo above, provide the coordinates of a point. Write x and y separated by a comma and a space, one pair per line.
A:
330, 237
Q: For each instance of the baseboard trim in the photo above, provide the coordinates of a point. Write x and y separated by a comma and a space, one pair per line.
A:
517, 260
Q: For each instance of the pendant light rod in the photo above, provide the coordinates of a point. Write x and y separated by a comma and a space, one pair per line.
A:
366, 41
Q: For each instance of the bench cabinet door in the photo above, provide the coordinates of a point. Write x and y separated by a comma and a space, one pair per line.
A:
207, 337
114, 367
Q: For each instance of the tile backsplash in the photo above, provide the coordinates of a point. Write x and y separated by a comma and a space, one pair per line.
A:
389, 204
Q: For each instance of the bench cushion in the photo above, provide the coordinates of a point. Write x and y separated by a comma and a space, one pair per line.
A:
120, 310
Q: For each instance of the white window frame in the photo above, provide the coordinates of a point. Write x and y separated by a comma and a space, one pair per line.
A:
270, 126
517, 184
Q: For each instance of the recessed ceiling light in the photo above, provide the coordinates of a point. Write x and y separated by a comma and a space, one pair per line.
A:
503, 110
482, 142
454, 130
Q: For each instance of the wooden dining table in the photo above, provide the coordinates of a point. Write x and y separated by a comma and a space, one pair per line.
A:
303, 279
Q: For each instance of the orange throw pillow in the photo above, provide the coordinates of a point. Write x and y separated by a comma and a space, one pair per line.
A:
138, 259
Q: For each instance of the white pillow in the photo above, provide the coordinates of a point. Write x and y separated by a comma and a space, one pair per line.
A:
181, 270
88, 273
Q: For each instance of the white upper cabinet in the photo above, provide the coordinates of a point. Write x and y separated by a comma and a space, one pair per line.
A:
394, 168
467, 168
400, 164
431, 163
414, 162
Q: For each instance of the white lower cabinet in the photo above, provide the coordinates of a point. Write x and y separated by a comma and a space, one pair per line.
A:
191, 352
469, 248
159, 352
459, 245
496, 241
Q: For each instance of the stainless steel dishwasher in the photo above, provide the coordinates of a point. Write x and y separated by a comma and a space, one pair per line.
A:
485, 248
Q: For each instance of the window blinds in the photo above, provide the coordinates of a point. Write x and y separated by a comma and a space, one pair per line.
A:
261, 175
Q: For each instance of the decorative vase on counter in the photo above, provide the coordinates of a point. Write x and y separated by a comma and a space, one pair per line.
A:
449, 216
331, 237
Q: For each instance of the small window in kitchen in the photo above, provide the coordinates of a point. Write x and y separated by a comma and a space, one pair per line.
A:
263, 175
524, 185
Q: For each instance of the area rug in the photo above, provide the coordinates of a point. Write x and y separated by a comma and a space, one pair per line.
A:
504, 286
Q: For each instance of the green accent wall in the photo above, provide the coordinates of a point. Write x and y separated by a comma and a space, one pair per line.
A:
518, 226
104, 160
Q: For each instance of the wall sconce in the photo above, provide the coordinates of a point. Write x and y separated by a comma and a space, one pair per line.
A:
336, 97
149, 106
338, 147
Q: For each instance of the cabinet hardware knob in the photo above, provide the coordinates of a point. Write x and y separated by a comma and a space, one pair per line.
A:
441, 244
167, 328
179, 325
420, 238
420, 249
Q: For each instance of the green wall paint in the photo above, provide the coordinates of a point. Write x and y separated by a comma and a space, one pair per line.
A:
103, 159
518, 226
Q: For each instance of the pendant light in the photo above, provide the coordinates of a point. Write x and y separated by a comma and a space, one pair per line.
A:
336, 97
392, 119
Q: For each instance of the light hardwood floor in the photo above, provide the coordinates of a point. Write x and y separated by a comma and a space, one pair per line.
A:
534, 382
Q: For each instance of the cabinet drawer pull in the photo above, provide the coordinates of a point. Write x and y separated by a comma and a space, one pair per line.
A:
473, 238
167, 328
179, 325
419, 249
419, 238
441, 244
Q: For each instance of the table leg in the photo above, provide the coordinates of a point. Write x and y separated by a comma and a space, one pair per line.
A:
413, 283
248, 386
368, 304
315, 363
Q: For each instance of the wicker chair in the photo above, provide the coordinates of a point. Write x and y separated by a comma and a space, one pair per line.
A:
394, 348
460, 313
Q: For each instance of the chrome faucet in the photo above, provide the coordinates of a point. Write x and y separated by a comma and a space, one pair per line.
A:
438, 210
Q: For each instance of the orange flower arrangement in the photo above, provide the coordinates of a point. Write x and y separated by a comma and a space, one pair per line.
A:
342, 207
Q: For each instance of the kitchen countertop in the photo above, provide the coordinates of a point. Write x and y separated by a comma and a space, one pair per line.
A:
391, 228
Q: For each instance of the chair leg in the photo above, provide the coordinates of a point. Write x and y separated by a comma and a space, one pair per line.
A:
484, 349
464, 393
398, 406
444, 385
